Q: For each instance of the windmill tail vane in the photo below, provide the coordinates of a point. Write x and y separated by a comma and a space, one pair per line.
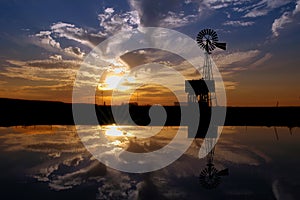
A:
221, 45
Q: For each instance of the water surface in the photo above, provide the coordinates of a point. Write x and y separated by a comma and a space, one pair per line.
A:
50, 162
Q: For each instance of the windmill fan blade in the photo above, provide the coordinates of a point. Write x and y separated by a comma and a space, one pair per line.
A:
221, 45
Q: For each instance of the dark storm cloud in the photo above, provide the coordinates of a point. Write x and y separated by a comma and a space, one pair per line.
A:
167, 13
153, 11
146, 56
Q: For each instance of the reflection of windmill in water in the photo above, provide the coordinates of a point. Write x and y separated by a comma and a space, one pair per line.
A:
210, 176
202, 92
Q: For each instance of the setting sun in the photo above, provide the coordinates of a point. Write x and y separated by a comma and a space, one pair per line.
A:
112, 82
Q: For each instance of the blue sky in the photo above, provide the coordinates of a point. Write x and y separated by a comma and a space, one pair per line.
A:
40, 38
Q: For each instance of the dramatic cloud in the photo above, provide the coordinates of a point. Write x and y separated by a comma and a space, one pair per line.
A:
46, 40
74, 51
72, 40
44, 37
111, 22
167, 13
173, 14
49, 39
228, 63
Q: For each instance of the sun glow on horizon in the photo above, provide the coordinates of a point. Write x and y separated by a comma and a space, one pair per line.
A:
114, 131
112, 82
116, 80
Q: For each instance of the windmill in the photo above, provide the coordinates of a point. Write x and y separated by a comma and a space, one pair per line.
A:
208, 40
202, 92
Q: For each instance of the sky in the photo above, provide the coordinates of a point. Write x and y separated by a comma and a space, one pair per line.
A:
43, 44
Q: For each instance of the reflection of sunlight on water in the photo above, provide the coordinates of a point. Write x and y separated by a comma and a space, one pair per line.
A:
116, 143
141, 132
132, 131
113, 131
111, 138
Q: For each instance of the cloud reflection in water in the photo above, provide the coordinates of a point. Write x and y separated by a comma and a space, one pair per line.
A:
64, 164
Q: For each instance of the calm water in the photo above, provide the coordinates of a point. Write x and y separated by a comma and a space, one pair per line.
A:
44, 162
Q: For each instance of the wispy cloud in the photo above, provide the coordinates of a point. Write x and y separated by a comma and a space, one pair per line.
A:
238, 23
42, 70
284, 19
226, 61
259, 8
280, 22
215, 4
231, 64
173, 20
256, 13
45, 79
261, 61
71, 32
